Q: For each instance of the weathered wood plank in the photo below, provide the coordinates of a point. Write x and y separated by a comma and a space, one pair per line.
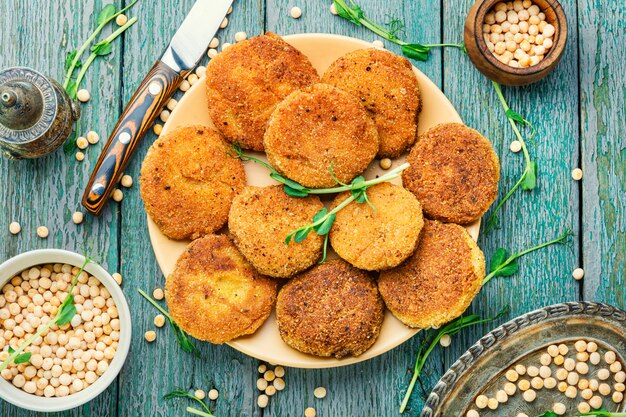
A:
47, 191
528, 218
603, 131
376, 387
155, 369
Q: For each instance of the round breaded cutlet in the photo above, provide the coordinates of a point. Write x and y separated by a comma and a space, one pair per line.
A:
315, 128
260, 220
454, 173
188, 182
247, 80
380, 238
439, 281
387, 86
214, 294
334, 309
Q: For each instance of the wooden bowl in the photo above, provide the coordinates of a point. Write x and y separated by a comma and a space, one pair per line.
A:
488, 64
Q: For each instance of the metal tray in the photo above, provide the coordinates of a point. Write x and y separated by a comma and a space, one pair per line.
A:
481, 369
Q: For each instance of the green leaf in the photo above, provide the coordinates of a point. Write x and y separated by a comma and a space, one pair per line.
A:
548, 414
105, 14
416, 51
359, 196
66, 312
69, 58
508, 270
72, 90
289, 238
497, 259
324, 228
11, 350
294, 193
301, 235
287, 182
320, 215
515, 116
23, 358
358, 181
352, 13
102, 49
530, 178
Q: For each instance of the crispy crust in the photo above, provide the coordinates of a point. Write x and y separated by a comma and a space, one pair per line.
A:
333, 309
439, 281
316, 127
214, 294
454, 173
261, 218
387, 86
246, 82
382, 238
188, 182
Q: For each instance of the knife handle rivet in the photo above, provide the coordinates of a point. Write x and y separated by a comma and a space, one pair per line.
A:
98, 189
124, 137
154, 88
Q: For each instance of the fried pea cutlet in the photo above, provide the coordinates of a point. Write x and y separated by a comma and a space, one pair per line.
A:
188, 182
387, 86
260, 220
214, 294
246, 81
333, 309
380, 238
454, 173
439, 281
315, 128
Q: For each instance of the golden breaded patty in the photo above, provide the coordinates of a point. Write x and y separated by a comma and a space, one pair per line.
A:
439, 281
333, 309
188, 182
214, 294
316, 127
454, 173
260, 220
377, 239
387, 86
246, 81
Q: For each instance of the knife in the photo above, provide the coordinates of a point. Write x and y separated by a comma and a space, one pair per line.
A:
182, 55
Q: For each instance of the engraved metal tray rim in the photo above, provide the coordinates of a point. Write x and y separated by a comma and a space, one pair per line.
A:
557, 311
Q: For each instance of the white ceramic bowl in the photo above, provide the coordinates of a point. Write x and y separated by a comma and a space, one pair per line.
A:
16, 396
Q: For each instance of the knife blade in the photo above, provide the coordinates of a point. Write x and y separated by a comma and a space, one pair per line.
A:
183, 53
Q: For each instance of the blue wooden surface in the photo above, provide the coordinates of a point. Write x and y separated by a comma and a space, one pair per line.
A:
579, 111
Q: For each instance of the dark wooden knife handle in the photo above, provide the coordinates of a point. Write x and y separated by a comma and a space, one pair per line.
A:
139, 114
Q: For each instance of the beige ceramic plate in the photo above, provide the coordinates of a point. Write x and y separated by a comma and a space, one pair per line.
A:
266, 344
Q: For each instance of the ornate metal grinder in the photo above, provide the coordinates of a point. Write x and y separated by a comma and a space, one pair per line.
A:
36, 114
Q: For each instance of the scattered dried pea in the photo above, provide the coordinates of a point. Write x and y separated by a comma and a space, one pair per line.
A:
279, 371
269, 375
481, 401
240, 36
158, 294
118, 195
270, 390
127, 181
82, 143
77, 217
584, 407
261, 384
378, 44
199, 394
262, 368
310, 412
15, 228
493, 403
224, 23
42, 232
319, 392
295, 12
159, 320
279, 384
213, 394
121, 19
150, 336
157, 129
80, 156
83, 95
385, 163
262, 400
92, 137
445, 340
333, 9
529, 395
577, 174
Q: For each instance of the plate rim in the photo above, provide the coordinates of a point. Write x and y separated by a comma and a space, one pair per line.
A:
506, 330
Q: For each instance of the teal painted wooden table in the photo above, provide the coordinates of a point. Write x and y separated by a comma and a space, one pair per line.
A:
579, 112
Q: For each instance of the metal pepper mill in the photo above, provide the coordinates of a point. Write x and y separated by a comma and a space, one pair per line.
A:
36, 114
